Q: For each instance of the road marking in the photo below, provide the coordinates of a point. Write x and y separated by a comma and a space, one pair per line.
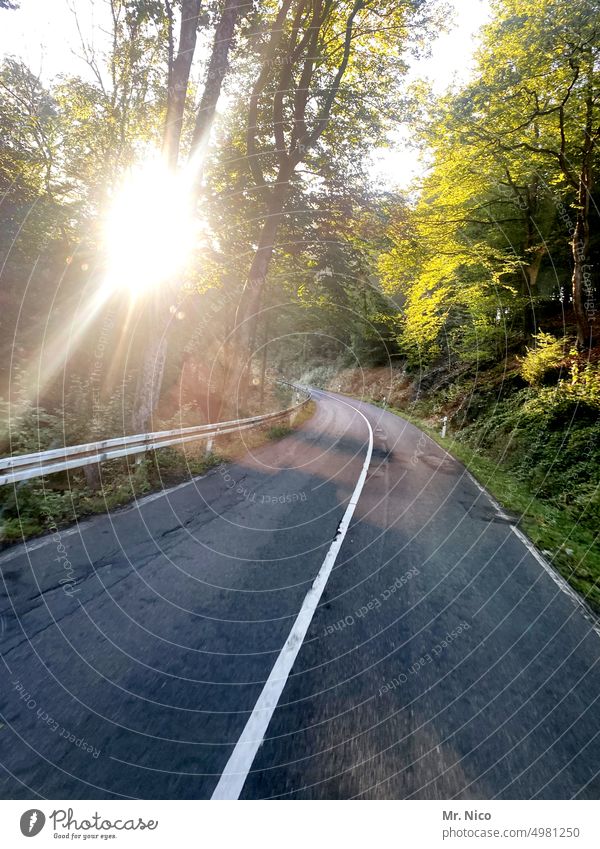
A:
558, 579
240, 762
560, 582
548, 567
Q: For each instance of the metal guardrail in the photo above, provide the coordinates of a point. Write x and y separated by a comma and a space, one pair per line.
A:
26, 466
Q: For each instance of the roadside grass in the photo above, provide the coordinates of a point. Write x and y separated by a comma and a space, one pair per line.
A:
304, 414
279, 431
29, 509
570, 547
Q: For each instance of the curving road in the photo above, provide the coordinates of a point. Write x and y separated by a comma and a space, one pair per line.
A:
349, 594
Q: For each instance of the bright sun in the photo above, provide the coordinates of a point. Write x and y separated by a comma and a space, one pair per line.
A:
149, 230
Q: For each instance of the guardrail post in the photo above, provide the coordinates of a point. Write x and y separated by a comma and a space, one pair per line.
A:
209, 444
92, 476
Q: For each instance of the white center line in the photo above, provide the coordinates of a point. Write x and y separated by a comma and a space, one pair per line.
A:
240, 762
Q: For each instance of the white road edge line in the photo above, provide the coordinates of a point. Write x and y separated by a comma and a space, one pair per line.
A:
240, 762
558, 579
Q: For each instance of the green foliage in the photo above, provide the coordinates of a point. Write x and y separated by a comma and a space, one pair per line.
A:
547, 356
279, 431
500, 196
584, 385
548, 438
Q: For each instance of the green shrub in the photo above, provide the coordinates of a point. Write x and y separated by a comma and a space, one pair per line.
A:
279, 431
585, 384
13, 530
546, 357
549, 439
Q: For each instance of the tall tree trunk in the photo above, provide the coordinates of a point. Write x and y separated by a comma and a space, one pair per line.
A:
249, 305
217, 69
580, 245
265, 357
179, 76
149, 381
530, 277
154, 356
151, 373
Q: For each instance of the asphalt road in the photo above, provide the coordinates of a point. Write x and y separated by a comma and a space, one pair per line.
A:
442, 661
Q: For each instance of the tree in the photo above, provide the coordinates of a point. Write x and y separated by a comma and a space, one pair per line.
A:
513, 155
467, 256
540, 68
179, 67
216, 71
122, 108
153, 364
315, 57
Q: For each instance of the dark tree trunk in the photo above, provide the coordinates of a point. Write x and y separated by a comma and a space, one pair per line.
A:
179, 76
249, 306
582, 270
217, 69
92, 477
151, 371
580, 245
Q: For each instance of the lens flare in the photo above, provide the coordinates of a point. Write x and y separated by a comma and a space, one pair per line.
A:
149, 229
